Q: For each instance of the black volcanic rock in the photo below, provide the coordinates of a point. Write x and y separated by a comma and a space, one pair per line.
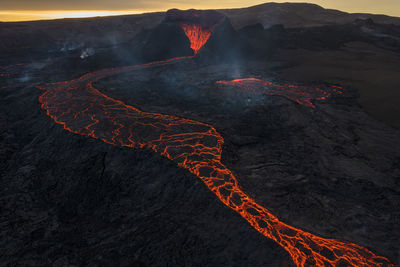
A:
309, 166
224, 44
277, 29
253, 31
294, 15
364, 22
251, 42
69, 200
335, 36
207, 19
116, 30
167, 40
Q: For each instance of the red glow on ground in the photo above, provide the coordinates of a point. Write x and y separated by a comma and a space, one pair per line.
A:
197, 35
304, 95
11, 70
195, 146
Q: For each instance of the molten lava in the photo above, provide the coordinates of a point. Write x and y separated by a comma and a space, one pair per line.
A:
193, 145
304, 95
82, 109
197, 35
197, 24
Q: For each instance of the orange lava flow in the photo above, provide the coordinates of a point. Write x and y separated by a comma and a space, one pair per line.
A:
197, 35
195, 146
304, 95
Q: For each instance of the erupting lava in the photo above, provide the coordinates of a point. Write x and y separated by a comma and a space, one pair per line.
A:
303, 95
197, 24
197, 36
192, 145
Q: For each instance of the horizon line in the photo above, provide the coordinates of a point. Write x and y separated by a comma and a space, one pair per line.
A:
58, 14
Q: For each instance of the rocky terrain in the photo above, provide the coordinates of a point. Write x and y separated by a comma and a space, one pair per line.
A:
30, 40
332, 170
308, 166
70, 201
294, 15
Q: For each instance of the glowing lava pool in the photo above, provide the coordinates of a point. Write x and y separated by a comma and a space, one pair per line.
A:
304, 95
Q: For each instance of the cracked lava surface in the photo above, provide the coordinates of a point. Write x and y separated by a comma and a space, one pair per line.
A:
304, 95
197, 147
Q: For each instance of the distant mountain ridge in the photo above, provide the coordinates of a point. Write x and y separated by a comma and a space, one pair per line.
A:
63, 35
270, 13
297, 15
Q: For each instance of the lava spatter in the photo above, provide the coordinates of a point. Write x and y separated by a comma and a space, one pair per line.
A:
304, 95
192, 145
197, 35
197, 24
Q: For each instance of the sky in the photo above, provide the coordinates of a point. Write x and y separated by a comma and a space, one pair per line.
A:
19, 10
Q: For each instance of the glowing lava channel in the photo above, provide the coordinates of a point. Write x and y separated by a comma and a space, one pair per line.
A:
197, 35
192, 145
304, 95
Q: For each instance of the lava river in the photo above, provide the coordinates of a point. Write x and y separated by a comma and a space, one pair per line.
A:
82, 109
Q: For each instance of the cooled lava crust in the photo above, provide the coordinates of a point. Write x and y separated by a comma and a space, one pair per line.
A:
206, 19
195, 146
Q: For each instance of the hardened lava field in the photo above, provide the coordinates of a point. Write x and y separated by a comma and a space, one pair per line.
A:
199, 144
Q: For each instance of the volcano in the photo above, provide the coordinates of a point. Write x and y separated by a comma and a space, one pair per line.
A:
195, 146
197, 24
151, 163
197, 35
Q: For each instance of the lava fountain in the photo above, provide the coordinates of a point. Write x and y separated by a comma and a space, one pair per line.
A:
197, 36
82, 109
197, 25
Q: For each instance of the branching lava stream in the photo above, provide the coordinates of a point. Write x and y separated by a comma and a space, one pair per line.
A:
192, 145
